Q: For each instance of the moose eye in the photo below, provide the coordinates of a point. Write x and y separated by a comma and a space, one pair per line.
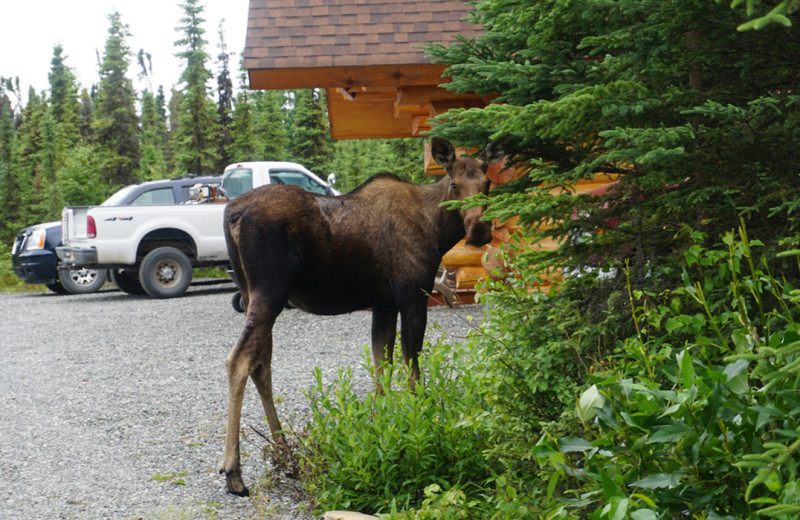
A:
453, 186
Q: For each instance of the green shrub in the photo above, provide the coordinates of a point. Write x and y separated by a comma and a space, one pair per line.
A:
8, 280
699, 414
380, 452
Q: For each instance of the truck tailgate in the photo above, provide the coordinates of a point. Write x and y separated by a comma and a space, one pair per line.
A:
73, 223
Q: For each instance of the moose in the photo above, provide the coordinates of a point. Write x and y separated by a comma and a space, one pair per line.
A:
378, 246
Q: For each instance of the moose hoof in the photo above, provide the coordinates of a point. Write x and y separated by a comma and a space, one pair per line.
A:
235, 484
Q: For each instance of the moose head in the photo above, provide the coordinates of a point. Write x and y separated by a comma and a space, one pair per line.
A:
467, 177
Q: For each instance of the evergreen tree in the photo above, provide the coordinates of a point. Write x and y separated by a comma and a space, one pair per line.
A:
47, 201
195, 138
224, 104
27, 167
173, 109
64, 104
9, 87
272, 125
310, 144
699, 118
9, 184
86, 117
60, 135
116, 122
243, 133
355, 161
153, 164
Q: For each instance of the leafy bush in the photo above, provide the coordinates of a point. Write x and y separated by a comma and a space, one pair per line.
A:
699, 415
381, 452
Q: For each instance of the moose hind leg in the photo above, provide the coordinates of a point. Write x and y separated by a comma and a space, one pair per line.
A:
240, 363
262, 378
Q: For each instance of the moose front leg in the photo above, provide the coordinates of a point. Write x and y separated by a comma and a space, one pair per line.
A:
384, 332
413, 319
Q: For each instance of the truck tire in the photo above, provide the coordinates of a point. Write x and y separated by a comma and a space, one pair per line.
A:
236, 302
127, 281
165, 272
82, 281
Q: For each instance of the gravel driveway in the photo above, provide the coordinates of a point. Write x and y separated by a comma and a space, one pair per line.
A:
114, 406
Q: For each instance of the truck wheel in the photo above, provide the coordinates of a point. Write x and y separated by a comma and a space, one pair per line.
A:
126, 281
165, 272
236, 302
82, 281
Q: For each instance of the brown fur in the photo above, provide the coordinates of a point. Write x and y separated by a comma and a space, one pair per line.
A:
377, 247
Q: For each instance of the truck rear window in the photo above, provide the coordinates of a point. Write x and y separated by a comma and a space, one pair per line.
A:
237, 181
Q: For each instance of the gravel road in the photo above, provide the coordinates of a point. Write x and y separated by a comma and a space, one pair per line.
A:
114, 406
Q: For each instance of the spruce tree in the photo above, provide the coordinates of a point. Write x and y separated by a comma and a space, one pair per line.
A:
272, 124
86, 117
310, 144
195, 138
243, 133
116, 122
697, 117
61, 135
353, 161
64, 103
153, 164
26, 166
9, 183
224, 103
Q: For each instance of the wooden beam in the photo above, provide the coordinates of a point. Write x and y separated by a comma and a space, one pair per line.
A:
370, 118
349, 78
419, 124
411, 111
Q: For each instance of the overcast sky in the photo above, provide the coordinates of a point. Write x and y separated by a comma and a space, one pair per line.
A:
30, 30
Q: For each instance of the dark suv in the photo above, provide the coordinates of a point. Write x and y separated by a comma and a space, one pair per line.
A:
33, 255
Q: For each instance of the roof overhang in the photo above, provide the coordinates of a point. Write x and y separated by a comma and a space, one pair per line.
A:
370, 102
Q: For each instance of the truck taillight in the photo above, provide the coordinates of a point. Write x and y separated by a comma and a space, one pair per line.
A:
91, 228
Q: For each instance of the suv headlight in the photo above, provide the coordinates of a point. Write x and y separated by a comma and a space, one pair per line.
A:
36, 240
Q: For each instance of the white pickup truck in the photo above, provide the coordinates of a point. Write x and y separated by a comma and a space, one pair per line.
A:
153, 249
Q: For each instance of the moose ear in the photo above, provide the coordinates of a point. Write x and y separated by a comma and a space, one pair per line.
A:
494, 150
443, 152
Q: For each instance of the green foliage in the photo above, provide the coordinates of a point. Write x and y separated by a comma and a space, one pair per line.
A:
309, 141
63, 96
194, 140
383, 452
153, 163
699, 118
778, 14
224, 104
116, 124
699, 413
355, 161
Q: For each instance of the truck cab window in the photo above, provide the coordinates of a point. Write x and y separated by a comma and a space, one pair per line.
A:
155, 197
